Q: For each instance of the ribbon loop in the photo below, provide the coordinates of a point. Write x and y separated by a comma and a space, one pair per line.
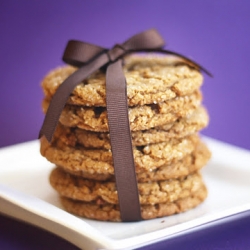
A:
79, 53
149, 39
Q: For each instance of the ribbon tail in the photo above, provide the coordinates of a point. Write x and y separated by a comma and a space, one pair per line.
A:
121, 143
62, 94
78, 53
189, 60
169, 52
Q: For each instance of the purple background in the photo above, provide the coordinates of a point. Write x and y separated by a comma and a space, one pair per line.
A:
214, 33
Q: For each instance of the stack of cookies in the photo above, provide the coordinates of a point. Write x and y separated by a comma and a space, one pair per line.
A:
165, 114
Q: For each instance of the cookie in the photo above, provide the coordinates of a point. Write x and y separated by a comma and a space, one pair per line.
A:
180, 128
100, 210
99, 161
78, 188
189, 164
140, 117
150, 79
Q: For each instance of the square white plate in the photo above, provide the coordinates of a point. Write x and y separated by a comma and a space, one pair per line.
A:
26, 194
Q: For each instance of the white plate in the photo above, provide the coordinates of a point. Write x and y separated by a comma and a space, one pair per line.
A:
26, 194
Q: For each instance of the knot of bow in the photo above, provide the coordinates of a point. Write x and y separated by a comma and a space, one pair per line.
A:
89, 58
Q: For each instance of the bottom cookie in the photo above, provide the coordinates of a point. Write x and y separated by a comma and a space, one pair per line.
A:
108, 212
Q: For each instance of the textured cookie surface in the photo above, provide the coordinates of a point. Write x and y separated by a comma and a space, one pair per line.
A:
146, 158
189, 164
150, 79
140, 117
151, 192
108, 212
180, 128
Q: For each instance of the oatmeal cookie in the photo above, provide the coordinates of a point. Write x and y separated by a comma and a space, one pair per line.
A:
150, 79
189, 164
99, 161
151, 192
140, 117
110, 212
180, 128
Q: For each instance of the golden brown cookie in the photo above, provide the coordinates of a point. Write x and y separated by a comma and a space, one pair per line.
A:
101, 210
150, 79
99, 161
151, 192
180, 128
189, 164
140, 117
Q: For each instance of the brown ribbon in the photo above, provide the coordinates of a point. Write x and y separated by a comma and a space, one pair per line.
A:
90, 58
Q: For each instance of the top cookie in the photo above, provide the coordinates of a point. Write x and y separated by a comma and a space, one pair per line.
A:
150, 79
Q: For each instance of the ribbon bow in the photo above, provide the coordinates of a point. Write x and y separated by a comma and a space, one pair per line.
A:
90, 58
